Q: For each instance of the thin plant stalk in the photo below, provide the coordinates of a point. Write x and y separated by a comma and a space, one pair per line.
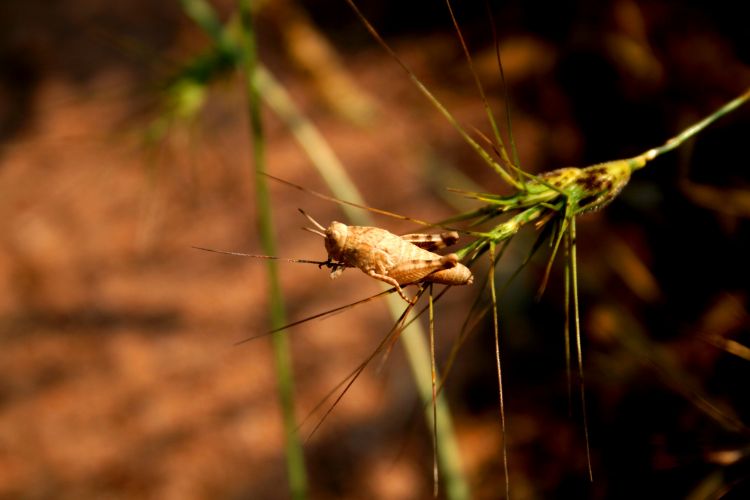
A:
433, 372
294, 456
694, 129
501, 399
573, 270
566, 329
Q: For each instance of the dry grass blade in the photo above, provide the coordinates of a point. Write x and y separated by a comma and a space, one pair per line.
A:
501, 399
435, 102
351, 203
499, 147
354, 375
324, 314
579, 349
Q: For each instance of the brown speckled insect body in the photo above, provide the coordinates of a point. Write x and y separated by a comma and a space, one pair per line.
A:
396, 260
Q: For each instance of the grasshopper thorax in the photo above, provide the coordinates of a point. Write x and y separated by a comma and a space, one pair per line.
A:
336, 236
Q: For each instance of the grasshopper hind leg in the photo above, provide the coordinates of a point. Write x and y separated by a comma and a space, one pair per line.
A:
390, 281
432, 242
414, 272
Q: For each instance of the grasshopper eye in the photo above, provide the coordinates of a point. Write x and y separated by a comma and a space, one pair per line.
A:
336, 235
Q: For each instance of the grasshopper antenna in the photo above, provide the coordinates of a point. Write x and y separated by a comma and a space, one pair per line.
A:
314, 231
269, 257
315, 223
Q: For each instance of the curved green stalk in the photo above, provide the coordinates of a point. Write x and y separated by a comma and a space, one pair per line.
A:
294, 455
689, 132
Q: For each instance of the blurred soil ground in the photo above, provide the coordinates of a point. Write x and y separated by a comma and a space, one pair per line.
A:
118, 373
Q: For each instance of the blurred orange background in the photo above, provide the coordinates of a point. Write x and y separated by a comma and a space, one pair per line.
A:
119, 377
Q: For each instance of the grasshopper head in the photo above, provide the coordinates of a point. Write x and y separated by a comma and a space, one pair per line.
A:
336, 236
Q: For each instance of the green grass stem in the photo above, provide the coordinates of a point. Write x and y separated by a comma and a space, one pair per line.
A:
694, 129
294, 456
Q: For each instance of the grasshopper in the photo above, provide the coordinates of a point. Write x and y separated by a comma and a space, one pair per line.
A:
396, 260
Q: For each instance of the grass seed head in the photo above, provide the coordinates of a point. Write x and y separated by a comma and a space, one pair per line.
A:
590, 188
